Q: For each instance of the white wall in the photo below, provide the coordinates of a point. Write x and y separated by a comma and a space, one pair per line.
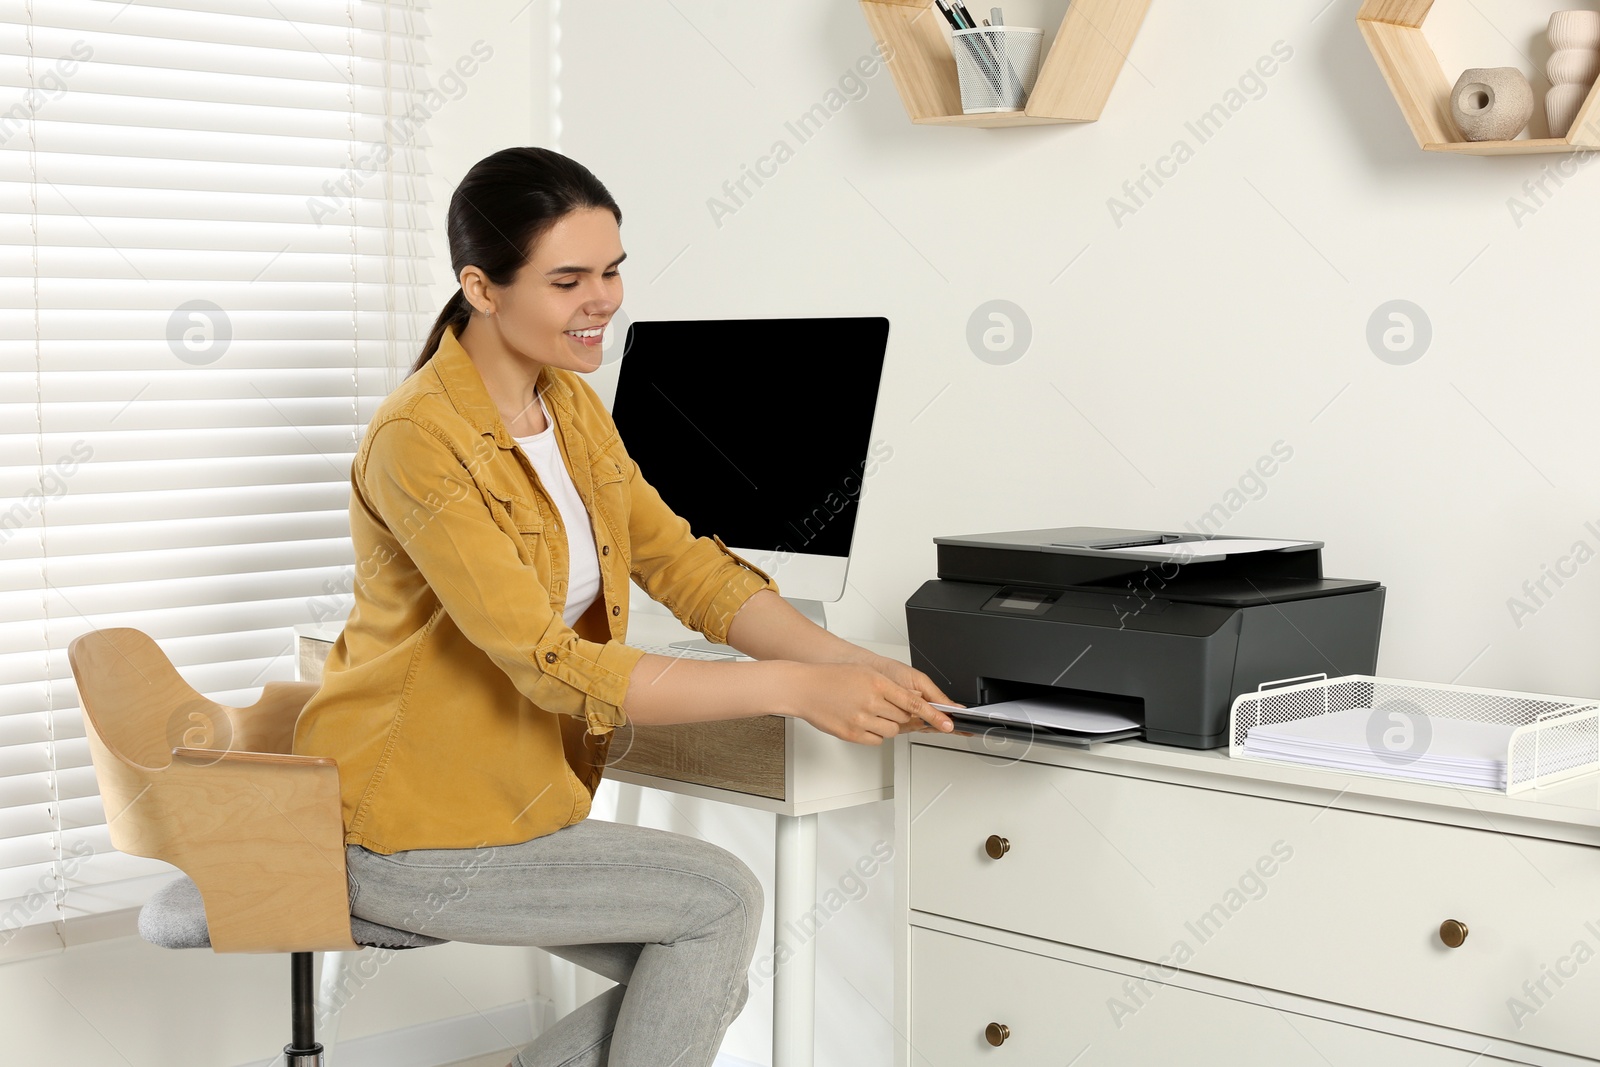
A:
1227, 313
504, 102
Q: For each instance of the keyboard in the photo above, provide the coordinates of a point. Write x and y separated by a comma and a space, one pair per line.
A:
688, 653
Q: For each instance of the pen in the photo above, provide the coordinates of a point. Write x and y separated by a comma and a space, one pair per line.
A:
949, 16
983, 48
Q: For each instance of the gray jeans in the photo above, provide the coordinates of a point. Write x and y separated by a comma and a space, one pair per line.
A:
673, 919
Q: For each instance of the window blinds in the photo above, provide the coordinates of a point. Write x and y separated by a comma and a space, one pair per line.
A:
212, 267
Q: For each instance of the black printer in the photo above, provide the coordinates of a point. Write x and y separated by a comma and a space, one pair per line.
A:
1168, 627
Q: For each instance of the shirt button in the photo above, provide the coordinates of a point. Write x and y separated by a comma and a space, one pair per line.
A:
616, 609
605, 550
549, 657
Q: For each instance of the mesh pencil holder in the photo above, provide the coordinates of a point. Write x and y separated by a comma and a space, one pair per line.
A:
996, 66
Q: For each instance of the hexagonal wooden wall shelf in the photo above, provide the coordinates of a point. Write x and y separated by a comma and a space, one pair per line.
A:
1393, 29
1075, 78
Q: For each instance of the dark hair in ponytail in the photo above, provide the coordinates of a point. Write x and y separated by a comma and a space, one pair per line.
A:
505, 203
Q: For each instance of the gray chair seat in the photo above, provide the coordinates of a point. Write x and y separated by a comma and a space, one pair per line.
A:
175, 917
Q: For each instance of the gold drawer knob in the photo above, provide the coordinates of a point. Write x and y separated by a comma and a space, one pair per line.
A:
1453, 932
996, 847
996, 1033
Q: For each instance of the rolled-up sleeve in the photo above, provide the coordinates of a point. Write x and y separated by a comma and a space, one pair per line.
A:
424, 493
699, 579
599, 672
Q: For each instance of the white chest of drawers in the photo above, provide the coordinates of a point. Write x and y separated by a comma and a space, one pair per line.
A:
1133, 904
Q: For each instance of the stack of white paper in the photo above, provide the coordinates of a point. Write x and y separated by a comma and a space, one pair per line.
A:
1427, 749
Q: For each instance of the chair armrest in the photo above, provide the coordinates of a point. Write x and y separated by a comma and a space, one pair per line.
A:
262, 835
206, 757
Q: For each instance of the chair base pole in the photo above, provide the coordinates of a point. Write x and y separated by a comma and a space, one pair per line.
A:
304, 1050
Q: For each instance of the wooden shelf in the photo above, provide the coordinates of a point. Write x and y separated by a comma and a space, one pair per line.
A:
1075, 78
1393, 31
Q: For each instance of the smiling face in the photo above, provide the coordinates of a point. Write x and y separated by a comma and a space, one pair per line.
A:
557, 306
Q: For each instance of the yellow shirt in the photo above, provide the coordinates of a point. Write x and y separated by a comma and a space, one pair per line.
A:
460, 707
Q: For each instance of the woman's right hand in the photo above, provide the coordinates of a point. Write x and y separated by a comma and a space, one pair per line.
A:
854, 702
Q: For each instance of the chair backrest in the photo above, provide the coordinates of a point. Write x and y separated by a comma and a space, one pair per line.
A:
216, 792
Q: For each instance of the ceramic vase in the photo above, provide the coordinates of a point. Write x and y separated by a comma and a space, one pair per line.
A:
1573, 66
1491, 103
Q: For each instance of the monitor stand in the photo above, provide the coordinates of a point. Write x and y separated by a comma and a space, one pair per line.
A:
811, 609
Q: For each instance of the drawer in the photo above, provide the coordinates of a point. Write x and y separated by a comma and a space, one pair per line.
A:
1336, 905
1059, 1013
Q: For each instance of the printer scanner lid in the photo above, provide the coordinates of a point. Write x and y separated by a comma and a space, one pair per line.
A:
1090, 541
1191, 567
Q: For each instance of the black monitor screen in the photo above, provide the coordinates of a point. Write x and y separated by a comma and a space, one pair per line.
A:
756, 430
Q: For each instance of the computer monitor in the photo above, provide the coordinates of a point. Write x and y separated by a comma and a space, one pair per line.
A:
759, 431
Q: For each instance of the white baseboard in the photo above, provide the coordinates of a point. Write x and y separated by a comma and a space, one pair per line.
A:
447, 1041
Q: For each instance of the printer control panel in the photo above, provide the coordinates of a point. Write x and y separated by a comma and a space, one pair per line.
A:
1036, 602
1022, 601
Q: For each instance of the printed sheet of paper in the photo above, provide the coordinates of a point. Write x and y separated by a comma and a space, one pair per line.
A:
1062, 714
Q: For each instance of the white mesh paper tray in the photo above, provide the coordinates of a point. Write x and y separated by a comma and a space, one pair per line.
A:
1553, 738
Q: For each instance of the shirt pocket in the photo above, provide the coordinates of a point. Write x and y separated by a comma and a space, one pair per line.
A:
518, 515
609, 470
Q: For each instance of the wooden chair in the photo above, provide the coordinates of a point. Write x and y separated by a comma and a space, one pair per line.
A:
215, 792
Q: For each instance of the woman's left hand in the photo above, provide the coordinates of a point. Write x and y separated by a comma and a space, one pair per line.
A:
913, 679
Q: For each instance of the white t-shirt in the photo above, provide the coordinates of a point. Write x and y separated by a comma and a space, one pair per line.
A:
583, 578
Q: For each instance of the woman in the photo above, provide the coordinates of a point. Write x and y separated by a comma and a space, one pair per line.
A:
497, 519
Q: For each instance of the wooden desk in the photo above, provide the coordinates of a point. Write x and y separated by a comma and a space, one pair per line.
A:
770, 763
